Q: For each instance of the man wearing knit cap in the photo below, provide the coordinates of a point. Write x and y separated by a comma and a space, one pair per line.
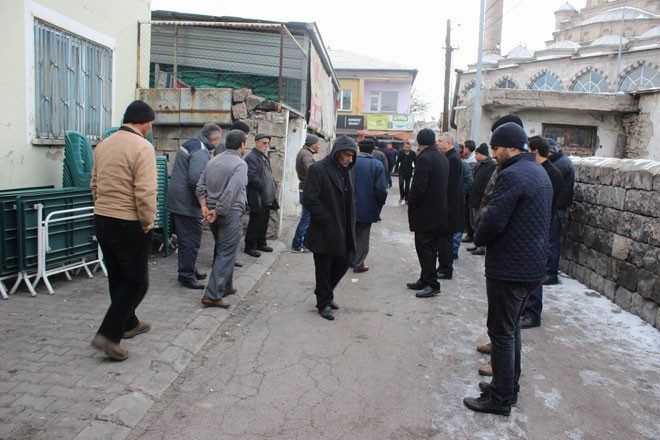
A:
427, 210
304, 160
124, 189
514, 229
189, 162
328, 196
482, 173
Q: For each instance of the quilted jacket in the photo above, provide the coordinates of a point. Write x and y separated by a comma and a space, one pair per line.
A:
516, 222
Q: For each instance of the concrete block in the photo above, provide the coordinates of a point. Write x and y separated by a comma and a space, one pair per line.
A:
636, 303
609, 289
105, 430
645, 283
611, 196
620, 247
253, 101
643, 202
272, 129
650, 230
596, 282
649, 312
239, 111
240, 95
638, 179
626, 275
623, 298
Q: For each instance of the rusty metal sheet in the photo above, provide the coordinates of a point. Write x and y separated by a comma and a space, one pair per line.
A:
165, 102
199, 106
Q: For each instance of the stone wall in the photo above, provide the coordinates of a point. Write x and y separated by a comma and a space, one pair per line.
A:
611, 238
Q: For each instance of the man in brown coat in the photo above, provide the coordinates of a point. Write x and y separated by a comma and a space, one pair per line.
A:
124, 188
304, 160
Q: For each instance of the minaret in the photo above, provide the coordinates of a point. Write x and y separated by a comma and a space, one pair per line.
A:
493, 27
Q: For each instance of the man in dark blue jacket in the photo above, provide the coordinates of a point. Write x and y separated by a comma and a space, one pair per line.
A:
370, 196
189, 162
328, 196
565, 165
514, 229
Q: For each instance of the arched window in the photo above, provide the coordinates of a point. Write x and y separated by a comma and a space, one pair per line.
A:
585, 36
590, 82
506, 83
546, 82
641, 77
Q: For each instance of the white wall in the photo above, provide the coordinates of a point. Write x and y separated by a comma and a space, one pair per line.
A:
112, 25
295, 139
649, 104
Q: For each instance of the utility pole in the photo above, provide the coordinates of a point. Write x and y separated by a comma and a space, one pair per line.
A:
477, 85
448, 50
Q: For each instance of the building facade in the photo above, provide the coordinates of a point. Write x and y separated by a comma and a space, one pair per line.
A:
587, 58
375, 97
74, 66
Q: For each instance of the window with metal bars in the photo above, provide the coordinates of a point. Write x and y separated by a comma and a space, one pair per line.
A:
73, 84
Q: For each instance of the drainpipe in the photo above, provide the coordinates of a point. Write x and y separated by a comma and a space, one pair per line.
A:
459, 72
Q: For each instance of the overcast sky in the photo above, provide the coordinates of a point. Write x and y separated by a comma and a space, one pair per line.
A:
410, 33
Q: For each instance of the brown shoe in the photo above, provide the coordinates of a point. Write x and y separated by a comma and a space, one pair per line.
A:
238, 264
231, 291
142, 327
484, 348
486, 370
209, 302
112, 349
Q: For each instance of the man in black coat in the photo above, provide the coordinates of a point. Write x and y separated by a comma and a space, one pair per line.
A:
515, 229
455, 206
539, 146
405, 165
261, 196
427, 210
328, 196
482, 173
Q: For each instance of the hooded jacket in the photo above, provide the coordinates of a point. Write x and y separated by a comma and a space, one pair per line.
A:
328, 196
189, 162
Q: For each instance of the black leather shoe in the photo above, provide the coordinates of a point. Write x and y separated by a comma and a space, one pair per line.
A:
265, 248
253, 253
333, 305
415, 286
529, 323
479, 251
550, 280
486, 387
472, 249
444, 276
427, 292
192, 284
326, 312
360, 269
200, 275
485, 404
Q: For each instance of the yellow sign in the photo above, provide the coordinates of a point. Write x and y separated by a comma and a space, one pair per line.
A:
378, 122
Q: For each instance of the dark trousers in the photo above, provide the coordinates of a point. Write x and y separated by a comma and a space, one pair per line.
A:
404, 186
554, 248
329, 271
445, 246
126, 250
426, 244
255, 235
362, 233
534, 305
189, 238
506, 304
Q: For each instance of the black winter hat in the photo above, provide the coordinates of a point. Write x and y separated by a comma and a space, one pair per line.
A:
482, 149
426, 137
240, 125
504, 119
138, 112
552, 144
509, 135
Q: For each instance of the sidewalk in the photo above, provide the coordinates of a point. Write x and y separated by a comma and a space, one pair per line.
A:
53, 384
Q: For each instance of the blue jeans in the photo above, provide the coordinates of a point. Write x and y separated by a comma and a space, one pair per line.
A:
227, 232
301, 230
534, 305
458, 236
506, 305
189, 236
554, 246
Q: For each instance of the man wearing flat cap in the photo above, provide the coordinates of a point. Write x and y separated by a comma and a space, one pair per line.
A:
261, 196
124, 189
304, 160
514, 228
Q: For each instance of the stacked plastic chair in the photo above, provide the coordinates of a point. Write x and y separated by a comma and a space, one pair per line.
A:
78, 160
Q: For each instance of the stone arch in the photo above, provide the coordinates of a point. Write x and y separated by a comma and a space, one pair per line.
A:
546, 74
506, 81
640, 73
604, 88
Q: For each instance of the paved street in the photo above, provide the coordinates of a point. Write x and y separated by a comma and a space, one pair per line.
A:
390, 365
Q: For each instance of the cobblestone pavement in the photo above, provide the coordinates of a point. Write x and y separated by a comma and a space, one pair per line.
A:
54, 385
